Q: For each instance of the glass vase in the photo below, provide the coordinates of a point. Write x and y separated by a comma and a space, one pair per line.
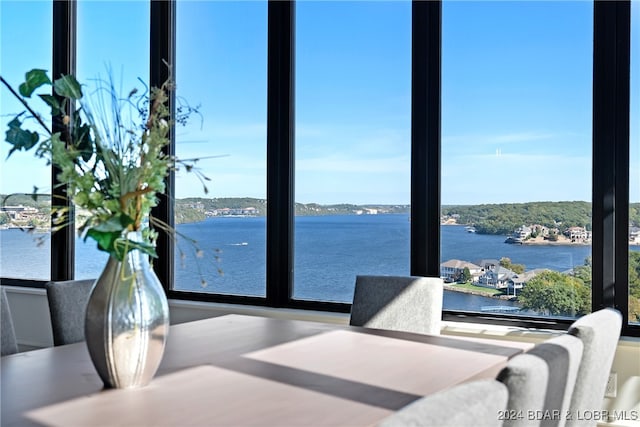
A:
127, 321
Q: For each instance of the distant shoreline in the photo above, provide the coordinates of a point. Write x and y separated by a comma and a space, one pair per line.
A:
562, 241
537, 241
451, 287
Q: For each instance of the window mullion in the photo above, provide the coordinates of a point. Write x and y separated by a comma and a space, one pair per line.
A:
611, 154
280, 151
425, 137
63, 62
162, 67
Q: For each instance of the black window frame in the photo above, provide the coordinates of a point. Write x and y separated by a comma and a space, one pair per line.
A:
610, 190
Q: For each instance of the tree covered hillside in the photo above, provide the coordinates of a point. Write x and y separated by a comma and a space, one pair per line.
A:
505, 218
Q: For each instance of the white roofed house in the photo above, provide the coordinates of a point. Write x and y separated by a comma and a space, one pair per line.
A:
488, 264
497, 278
518, 281
578, 234
451, 270
522, 233
541, 230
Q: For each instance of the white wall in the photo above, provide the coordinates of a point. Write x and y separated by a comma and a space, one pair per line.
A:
30, 313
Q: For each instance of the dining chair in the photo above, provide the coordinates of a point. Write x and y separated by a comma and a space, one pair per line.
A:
541, 382
67, 305
9, 344
479, 403
401, 303
599, 332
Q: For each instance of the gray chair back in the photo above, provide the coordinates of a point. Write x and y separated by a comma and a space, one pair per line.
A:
9, 344
401, 303
541, 382
599, 332
478, 403
67, 306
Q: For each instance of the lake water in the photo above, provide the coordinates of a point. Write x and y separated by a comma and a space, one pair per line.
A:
329, 252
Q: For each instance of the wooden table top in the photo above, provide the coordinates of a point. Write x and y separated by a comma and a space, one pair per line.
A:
241, 370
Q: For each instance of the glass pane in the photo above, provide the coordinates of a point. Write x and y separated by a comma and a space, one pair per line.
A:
105, 53
634, 169
24, 255
353, 105
222, 67
516, 156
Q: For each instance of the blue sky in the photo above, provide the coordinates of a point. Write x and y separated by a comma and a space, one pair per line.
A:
516, 94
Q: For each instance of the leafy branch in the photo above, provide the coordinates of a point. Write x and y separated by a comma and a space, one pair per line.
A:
110, 152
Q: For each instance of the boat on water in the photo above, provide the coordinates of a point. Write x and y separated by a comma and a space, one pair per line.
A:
470, 229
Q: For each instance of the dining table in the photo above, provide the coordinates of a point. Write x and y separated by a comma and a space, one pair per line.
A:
239, 370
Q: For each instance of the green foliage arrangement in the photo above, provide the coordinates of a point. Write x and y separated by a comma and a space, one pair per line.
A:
109, 152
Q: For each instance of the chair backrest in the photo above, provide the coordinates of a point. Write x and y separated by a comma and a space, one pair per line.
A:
9, 344
541, 382
67, 306
599, 332
401, 303
478, 403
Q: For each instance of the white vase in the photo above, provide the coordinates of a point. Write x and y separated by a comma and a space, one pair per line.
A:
127, 321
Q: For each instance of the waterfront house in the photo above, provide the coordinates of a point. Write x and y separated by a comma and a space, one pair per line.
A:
19, 212
488, 264
578, 234
497, 277
518, 281
540, 230
453, 269
522, 233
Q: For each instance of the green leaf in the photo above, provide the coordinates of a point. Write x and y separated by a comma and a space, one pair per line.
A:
113, 224
126, 220
53, 103
68, 87
105, 239
21, 139
123, 246
34, 79
34, 194
81, 137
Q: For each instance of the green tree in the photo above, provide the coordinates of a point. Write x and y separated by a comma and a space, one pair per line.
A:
466, 275
516, 268
554, 293
634, 309
634, 273
4, 218
583, 272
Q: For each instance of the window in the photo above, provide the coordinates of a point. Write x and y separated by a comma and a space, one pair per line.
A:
24, 255
516, 156
122, 56
352, 165
222, 67
346, 93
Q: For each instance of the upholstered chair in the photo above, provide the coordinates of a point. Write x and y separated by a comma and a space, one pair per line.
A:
599, 332
9, 344
401, 303
479, 403
67, 306
541, 382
